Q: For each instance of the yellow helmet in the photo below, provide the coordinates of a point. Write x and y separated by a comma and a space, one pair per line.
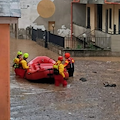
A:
19, 53
26, 55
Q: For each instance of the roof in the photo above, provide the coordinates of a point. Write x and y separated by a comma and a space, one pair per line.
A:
10, 8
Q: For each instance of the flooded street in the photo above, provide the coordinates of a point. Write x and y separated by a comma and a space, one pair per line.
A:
89, 100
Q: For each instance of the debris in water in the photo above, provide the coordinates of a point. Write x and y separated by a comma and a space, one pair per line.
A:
83, 79
70, 113
94, 72
106, 84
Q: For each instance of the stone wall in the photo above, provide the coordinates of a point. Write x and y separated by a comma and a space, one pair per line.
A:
115, 43
41, 42
89, 53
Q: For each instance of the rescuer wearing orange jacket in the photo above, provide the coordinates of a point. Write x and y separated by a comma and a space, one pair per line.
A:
24, 61
59, 75
69, 64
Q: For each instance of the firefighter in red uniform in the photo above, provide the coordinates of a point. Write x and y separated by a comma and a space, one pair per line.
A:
69, 64
59, 75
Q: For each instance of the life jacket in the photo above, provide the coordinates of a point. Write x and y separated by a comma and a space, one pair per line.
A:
20, 64
56, 68
70, 64
15, 65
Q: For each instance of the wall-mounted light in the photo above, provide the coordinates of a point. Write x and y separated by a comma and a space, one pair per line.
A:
84, 36
53, 25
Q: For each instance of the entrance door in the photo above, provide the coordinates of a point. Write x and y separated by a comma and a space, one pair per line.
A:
99, 17
107, 20
88, 17
51, 26
119, 22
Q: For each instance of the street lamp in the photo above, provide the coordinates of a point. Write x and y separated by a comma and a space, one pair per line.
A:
84, 36
53, 25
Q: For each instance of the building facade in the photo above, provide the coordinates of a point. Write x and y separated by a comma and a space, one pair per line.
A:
100, 16
58, 22
9, 13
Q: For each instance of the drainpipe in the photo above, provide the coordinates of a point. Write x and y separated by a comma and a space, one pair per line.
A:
74, 1
110, 2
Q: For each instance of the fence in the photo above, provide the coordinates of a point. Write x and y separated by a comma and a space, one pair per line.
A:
34, 34
75, 43
55, 39
48, 37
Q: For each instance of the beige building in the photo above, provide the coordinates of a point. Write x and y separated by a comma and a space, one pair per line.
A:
99, 20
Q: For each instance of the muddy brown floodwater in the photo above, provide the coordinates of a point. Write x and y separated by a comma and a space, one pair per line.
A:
88, 100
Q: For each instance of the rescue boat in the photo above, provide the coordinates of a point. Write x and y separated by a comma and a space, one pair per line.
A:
39, 68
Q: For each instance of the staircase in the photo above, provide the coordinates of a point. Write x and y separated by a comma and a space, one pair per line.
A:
92, 40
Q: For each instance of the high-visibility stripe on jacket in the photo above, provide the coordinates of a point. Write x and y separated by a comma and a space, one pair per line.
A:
68, 62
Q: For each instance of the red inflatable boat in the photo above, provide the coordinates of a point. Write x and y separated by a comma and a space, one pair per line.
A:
40, 67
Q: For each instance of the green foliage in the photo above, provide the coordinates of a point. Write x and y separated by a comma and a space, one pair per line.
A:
67, 48
91, 46
79, 46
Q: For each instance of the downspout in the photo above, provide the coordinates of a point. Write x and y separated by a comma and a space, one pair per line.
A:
74, 1
110, 2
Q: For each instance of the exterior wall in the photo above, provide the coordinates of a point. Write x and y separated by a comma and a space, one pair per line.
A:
5, 72
92, 15
28, 13
92, 1
84, 1
116, 1
77, 30
115, 43
101, 34
61, 17
104, 17
9, 9
79, 14
96, 1
115, 16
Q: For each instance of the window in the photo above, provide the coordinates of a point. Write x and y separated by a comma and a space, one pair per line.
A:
110, 18
88, 17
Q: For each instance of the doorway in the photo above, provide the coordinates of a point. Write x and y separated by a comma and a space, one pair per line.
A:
88, 17
51, 26
99, 17
106, 20
119, 21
